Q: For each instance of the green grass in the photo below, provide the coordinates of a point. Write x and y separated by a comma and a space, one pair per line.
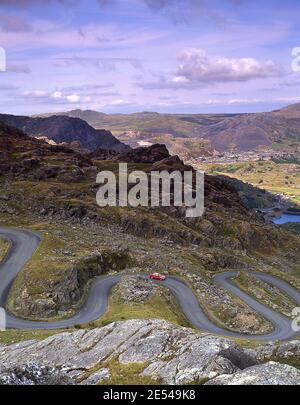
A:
49, 266
4, 247
157, 307
288, 144
283, 177
15, 336
293, 362
290, 159
122, 374
44, 267
125, 374
293, 227
256, 289
219, 315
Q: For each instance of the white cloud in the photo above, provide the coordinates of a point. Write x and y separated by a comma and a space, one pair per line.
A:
295, 99
199, 67
35, 93
179, 79
57, 97
228, 102
70, 98
119, 102
73, 98
240, 101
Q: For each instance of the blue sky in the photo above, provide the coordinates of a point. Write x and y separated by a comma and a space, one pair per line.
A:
123, 56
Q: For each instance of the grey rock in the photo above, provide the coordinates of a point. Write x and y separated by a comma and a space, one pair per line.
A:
59, 295
33, 374
132, 288
267, 374
171, 354
277, 352
97, 377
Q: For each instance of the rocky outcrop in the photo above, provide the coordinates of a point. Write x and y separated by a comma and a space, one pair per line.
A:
150, 154
30, 158
52, 296
103, 154
170, 355
265, 293
47, 298
170, 163
287, 352
240, 318
267, 374
255, 197
98, 264
33, 374
134, 288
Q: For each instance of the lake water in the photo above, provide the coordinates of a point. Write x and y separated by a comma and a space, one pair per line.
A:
287, 218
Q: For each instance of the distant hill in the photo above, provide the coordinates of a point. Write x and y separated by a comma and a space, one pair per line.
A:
64, 129
90, 116
250, 131
247, 131
291, 111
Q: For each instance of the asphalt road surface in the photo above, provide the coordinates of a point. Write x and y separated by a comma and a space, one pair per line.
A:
24, 243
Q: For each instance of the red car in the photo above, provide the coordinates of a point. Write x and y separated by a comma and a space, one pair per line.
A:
158, 277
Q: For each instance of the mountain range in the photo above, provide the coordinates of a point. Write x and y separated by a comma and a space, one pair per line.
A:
184, 135
279, 128
64, 129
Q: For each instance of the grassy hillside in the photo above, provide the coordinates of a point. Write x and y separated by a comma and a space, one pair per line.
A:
272, 176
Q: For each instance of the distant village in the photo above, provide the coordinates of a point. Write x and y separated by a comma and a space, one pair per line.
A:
249, 156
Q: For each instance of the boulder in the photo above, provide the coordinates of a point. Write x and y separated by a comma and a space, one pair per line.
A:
33, 374
149, 154
267, 374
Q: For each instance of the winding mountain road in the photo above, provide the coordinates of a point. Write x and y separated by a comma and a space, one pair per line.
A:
24, 243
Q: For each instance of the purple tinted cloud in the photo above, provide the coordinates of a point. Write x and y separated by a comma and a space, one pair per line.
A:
183, 10
24, 3
189, 10
10, 23
18, 68
104, 63
197, 66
